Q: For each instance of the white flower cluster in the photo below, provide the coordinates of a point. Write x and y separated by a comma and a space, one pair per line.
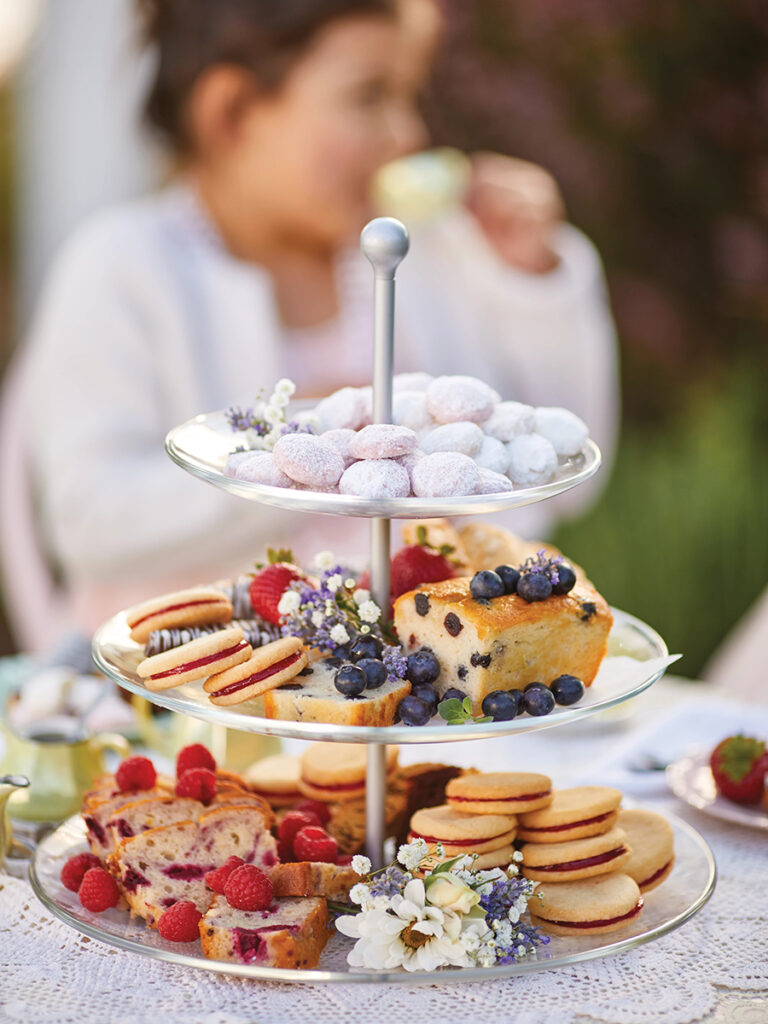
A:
273, 414
410, 855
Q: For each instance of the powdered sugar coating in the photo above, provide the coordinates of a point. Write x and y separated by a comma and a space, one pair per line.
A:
509, 419
454, 398
340, 440
235, 459
563, 429
464, 437
493, 455
261, 468
376, 478
417, 381
345, 408
532, 460
493, 483
409, 409
382, 441
309, 460
445, 475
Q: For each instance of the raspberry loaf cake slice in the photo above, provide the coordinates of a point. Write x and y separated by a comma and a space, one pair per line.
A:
291, 933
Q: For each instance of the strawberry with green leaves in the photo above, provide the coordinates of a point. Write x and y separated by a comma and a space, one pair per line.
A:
739, 766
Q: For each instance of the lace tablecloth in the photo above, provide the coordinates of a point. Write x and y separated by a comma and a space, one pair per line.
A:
713, 969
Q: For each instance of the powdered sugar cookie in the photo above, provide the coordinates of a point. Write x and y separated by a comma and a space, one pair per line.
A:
445, 475
493, 483
309, 460
376, 478
416, 381
455, 398
532, 460
409, 409
509, 419
344, 408
235, 459
464, 437
382, 441
563, 429
340, 440
493, 455
261, 468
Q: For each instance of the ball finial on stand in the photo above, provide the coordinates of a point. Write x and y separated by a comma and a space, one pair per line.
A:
385, 242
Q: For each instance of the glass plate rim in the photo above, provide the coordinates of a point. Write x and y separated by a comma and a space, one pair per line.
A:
676, 775
441, 976
378, 734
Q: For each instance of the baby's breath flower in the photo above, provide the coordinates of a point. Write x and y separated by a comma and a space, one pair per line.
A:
359, 894
361, 865
349, 583
339, 634
411, 854
285, 386
317, 619
324, 560
369, 611
517, 856
289, 603
333, 583
361, 595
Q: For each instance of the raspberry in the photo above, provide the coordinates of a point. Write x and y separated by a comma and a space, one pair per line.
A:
135, 773
217, 879
72, 873
179, 923
248, 888
315, 844
293, 822
344, 860
194, 756
98, 890
317, 807
197, 784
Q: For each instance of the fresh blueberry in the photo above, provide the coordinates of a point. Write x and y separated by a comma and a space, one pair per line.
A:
509, 578
427, 693
502, 705
566, 580
366, 647
375, 672
414, 711
453, 694
567, 690
538, 702
535, 686
423, 667
534, 586
350, 680
486, 583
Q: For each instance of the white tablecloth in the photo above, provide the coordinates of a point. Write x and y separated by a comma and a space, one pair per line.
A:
713, 969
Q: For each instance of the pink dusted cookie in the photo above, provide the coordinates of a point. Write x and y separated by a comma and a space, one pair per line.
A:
509, 419
235, 459
309, 460
409, 409
532, 460
261, 468
416, 381
445, 475
382, 441
464, 437
345, 408
376, 478
493, 455
563, 429
340, 439
493, 483
455, 398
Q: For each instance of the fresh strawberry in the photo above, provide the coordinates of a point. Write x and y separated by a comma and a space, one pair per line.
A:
739, 766
414, 565
270, 583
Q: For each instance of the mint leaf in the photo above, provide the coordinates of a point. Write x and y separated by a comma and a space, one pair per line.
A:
450, 708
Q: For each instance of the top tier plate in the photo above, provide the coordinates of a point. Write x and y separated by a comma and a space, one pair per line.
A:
201, 446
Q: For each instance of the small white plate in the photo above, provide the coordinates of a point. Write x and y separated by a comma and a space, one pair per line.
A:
691, 780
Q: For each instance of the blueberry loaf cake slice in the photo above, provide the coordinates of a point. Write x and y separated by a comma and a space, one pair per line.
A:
291, 933
507, 642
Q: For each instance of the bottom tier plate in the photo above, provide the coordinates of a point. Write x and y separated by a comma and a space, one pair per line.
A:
687, 889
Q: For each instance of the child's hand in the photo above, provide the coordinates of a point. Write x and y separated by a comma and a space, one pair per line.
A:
518, 205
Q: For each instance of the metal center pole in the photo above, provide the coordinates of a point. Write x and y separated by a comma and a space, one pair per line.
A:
384, 242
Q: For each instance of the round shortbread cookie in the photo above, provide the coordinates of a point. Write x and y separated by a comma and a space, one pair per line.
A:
195, 660
326, 765
581, 858
573, 814
500, 858
196, 606
340, 793
276, 778
452, 848
499, 792
268, 666
447, 825
652, 841
590, 907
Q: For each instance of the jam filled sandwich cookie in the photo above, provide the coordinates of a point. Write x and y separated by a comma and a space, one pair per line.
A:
199, 606
195, 660
573, 814
653, 847
591, 907
483, 834
580, 858
499, 793
335, 772
276, 778
266, 668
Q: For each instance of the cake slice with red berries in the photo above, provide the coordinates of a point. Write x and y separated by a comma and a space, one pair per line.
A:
289, 933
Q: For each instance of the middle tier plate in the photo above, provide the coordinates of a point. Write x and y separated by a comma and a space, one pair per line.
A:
637, 658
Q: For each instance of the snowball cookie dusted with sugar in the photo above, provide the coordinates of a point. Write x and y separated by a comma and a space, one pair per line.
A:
382, 441
532, 460
450, 399
235, 459
493, 483
409, 409
340, 439
261, 468
493, 455
376, 478
445, 475
563, 429
309, 460
347, 407
464, 437
416, 381
509, 419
